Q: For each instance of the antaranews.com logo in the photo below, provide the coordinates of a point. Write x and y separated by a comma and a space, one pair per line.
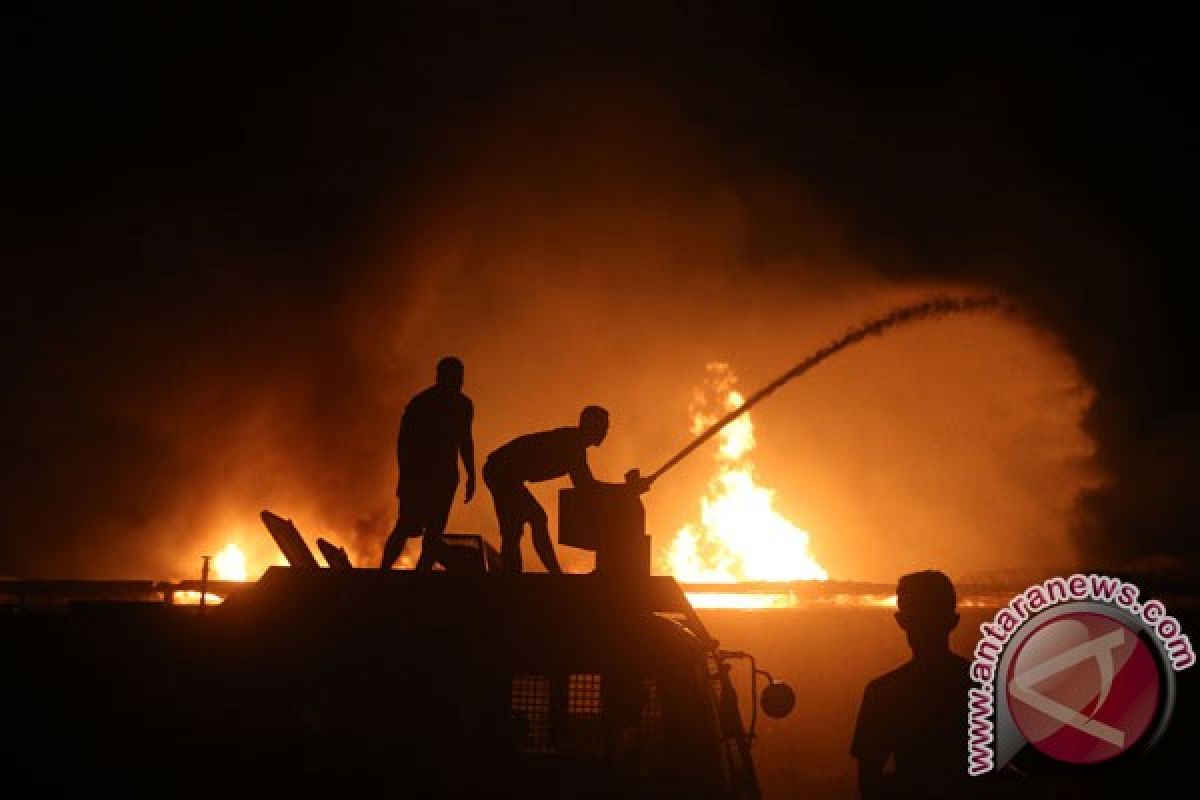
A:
1078, 669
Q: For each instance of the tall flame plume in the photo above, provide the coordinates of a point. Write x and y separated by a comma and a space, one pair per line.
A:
740, 535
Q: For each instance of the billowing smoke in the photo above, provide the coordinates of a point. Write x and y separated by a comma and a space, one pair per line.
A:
227, 310
565, 271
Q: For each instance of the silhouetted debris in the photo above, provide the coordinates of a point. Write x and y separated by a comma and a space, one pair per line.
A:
289, 541
335, 556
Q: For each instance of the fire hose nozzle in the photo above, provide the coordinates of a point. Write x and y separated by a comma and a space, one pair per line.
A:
634, 479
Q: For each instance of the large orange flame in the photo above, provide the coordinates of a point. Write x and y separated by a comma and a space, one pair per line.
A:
740, 535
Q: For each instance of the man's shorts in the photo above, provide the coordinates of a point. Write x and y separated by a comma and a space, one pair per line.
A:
425, 503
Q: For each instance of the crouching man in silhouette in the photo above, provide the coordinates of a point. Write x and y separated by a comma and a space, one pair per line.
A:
917, 714
537, 457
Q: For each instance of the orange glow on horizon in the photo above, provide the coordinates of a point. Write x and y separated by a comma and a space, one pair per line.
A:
739, 600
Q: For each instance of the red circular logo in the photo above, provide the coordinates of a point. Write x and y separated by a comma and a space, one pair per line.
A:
1083, 688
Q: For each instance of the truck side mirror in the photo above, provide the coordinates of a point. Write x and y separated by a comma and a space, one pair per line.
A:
778, 700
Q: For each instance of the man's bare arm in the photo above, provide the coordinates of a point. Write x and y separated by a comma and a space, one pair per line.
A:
466, 449
582, 477
870, 778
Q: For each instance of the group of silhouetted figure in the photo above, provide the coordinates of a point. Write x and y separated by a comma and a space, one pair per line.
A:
911, 732
435, 433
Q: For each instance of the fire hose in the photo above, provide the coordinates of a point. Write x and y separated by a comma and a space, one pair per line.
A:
936, 307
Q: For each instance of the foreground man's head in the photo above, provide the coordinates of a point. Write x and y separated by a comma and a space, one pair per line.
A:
925, 603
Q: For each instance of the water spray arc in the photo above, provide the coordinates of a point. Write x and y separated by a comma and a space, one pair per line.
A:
937, 307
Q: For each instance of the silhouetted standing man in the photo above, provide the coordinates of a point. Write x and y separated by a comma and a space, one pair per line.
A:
434, 432
917, 714
533, 458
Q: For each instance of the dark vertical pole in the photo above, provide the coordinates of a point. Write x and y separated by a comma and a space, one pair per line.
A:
204, 583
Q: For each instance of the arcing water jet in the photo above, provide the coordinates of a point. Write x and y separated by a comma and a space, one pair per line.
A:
937, 307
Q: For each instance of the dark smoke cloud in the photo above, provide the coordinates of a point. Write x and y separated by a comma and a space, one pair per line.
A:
238, 238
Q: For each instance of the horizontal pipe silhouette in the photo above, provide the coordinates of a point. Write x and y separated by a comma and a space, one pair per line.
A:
937, 307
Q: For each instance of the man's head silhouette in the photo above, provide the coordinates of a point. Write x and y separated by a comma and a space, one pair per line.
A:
593, 421
925, 603
450, 373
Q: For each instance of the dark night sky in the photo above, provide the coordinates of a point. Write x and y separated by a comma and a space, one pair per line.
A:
183, 184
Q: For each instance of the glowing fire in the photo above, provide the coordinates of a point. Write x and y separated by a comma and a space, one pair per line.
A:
757, 599
230, 564
740, 536
227, 565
